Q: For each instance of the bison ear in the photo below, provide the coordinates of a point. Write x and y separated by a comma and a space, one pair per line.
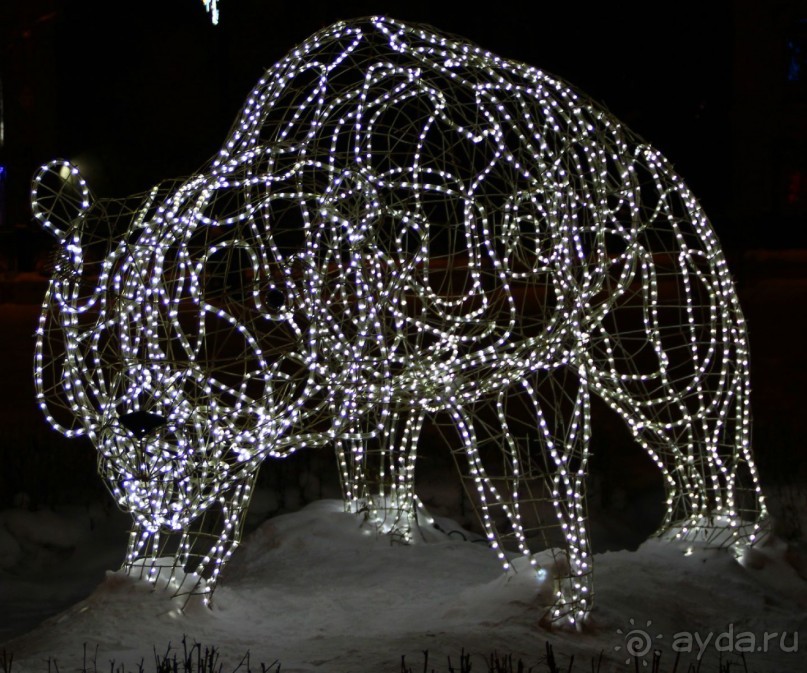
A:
59, 197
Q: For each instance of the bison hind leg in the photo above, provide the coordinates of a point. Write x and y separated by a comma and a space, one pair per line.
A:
713, 497
735, 518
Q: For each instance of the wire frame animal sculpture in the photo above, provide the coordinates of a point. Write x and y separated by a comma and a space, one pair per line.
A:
401, 231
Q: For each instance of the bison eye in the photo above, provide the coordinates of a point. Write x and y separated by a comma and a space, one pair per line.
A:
275, 299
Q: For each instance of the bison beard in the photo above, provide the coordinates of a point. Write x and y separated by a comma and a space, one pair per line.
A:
402, 230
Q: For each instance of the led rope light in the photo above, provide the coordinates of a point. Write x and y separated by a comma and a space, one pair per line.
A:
403, 232
212, 7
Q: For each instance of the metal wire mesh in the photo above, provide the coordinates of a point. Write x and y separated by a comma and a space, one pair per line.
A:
401, 230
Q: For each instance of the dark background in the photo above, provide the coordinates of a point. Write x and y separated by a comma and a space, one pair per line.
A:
134, 92
139, 91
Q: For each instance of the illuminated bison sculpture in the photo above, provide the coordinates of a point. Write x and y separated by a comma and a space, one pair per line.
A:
402, 231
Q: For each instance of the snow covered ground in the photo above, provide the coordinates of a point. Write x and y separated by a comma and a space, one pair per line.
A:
292, 589
316, 591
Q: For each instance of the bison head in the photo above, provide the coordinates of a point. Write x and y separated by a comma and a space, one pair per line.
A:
171, 336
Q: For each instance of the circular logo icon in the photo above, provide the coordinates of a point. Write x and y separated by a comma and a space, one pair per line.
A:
637, 642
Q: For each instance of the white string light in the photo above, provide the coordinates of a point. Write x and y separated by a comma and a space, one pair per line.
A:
402, 231
212, 7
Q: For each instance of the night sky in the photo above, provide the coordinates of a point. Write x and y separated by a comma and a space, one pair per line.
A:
137, 92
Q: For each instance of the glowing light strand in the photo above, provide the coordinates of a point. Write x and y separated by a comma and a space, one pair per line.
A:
405, 238
212, 7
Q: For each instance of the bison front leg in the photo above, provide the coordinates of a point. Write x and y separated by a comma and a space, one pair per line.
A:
563, 427
225, 534
188, 562
563, 413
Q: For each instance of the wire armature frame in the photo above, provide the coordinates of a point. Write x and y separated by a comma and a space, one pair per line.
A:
401, 230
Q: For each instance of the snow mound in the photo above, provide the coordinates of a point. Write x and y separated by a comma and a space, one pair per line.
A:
319, 590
